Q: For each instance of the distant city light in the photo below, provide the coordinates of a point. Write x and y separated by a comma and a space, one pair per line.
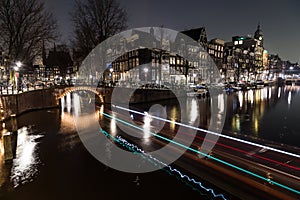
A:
19, 64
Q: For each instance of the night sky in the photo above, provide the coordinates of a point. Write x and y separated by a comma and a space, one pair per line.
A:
280, 20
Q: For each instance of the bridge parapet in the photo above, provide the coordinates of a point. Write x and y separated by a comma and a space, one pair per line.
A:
61, 92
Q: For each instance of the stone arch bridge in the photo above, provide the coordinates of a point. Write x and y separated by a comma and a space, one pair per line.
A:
61, 92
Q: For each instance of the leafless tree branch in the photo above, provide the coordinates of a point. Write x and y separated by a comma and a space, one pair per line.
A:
94, 21
24, 26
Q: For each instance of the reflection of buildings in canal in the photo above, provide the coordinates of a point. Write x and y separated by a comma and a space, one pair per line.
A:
289, 92
192, 110
173, 118
113, 125
147, 128
249, 107
72, 106
3, 175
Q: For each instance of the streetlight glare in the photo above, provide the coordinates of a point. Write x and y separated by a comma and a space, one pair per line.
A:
19, 64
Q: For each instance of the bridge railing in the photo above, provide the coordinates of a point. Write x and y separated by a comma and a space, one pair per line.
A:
10, 90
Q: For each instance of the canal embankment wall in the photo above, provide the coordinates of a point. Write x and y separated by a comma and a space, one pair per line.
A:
16, 104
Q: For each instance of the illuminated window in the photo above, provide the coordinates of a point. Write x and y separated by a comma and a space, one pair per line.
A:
137, 61
172, 60
236, 42
241, 42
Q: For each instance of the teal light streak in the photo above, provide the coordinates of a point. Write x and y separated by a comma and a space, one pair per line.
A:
209, 156
171, 171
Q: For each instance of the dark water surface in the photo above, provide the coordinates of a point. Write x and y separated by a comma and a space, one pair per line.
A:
52, 163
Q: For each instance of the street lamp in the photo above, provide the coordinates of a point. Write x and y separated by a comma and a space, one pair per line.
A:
16, 68
111, 74
18, 64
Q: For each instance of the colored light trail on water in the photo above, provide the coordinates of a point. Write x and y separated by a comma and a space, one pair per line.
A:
213, 133
204, 154
236, 149
154, 160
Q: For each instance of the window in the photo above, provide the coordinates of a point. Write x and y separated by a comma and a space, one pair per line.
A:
236, 42
137, 61
172, 60
241, 42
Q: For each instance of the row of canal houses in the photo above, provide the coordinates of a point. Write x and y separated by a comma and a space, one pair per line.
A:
244, 58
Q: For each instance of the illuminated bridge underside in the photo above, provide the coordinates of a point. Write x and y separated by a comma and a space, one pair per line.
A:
80, 88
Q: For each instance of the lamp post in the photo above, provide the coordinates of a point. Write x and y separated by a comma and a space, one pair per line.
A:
16, 68
111, 74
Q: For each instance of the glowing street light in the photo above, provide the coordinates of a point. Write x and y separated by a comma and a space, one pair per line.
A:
19, 64
111, 74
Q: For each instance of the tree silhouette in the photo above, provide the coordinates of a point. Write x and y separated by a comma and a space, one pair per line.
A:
94, 21
24, 26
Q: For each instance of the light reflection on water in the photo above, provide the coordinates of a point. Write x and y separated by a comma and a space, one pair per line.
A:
245, 114
25, 165
261, 110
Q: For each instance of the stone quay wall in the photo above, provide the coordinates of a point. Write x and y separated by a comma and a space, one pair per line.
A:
26, 101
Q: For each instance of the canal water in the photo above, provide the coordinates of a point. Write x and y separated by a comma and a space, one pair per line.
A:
50, 162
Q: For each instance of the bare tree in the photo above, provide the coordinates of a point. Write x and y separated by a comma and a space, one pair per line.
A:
94, 21
24, 26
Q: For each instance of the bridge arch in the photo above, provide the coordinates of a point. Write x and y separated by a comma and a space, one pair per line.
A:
80, 88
